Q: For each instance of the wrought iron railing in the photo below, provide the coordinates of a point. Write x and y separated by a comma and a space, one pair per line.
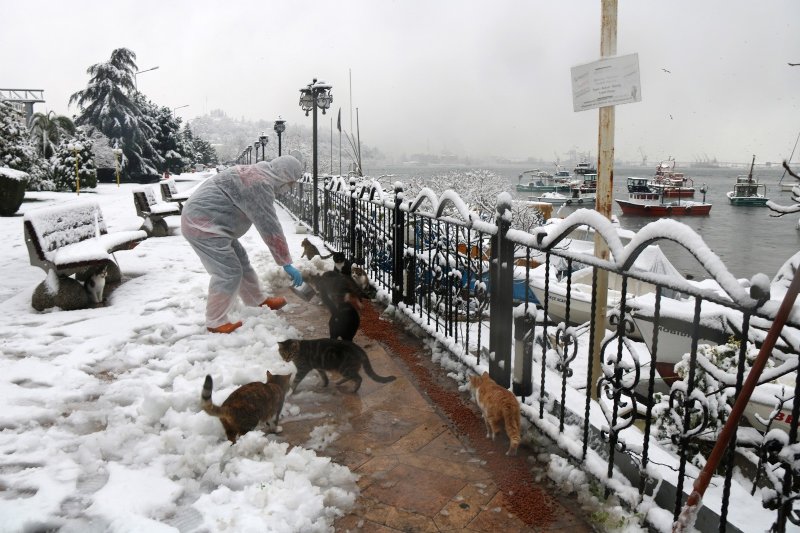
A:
641, 414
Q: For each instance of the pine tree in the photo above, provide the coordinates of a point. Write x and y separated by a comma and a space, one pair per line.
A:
107, 105
70, 151
187, 147
165, 129
15, 148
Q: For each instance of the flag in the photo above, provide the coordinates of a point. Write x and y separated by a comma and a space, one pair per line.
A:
339, 121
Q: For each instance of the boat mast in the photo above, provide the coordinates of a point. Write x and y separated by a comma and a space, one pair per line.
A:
750, 175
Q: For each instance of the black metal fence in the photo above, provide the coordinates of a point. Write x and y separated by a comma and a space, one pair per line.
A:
642, 414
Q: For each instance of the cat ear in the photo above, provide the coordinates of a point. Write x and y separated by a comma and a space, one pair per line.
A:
485, 375
269, 375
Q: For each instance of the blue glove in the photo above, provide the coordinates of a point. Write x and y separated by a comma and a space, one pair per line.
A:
297, 277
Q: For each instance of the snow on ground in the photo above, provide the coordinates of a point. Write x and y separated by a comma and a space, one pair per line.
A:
101, 428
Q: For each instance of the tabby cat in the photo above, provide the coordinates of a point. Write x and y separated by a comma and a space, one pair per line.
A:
497, 404
310, 250
328, 354
248, 405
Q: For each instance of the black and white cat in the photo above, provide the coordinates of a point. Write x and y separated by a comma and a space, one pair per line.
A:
95, 284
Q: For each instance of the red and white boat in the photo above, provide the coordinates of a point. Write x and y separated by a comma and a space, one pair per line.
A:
669, 183
645, 208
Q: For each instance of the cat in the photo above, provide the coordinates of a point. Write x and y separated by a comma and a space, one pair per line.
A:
333, 289
328, 354
497, 405
95, 284
248, 405
341, 263
344, 322
342, 297
309, 250
362, 281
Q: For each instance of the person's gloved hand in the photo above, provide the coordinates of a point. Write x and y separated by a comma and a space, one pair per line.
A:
297, 277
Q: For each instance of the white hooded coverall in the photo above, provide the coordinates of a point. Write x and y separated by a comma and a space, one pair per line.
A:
220, 211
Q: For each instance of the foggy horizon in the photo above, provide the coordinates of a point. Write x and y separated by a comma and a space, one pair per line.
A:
465, 78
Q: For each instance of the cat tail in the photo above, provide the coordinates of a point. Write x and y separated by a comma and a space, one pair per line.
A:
511, 421
205, 399
371, 373
325, 256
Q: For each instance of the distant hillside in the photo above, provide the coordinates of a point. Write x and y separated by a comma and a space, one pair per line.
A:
230, 137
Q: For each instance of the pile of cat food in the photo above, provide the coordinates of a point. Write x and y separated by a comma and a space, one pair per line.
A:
524, 497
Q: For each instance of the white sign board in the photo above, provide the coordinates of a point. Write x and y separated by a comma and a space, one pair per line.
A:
609, 81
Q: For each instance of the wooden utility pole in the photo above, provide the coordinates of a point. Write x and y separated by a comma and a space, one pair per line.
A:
605, 185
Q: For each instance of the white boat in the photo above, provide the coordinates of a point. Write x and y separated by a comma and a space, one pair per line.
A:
652, 259
574, 197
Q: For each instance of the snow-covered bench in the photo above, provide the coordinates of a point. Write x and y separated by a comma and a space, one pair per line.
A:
153, 212
170, 193
72, 238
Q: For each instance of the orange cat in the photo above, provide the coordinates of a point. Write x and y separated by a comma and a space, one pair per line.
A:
497, 405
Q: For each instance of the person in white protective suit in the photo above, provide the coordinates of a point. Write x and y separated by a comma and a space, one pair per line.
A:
220, 211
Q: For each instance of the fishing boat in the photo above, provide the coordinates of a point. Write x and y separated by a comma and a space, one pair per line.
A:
669, 183
640, 188
675, 208
573, 197
584, 168
585, 183
541, 181
747, 190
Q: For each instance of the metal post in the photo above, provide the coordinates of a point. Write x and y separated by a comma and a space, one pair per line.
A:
315, 214
605, 185
523, 355
352, 221
398, 246
279, 144
501, 288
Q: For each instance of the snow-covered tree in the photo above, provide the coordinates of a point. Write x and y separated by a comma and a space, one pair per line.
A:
107, 104
47, 129
714, 364
167, 132
74, 156
15, 147
205, 152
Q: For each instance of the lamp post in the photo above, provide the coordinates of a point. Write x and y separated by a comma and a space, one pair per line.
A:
279, 127
263, 139
135, 74
255, 149
179, 107
315, 95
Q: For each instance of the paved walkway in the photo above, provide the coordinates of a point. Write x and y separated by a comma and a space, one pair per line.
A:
418, 443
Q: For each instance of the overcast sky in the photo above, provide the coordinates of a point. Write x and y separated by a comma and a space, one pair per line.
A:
465, 76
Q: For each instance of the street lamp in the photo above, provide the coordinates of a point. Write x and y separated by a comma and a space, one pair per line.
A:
179, 107
315, 95
279, 127
136, 81
263, 139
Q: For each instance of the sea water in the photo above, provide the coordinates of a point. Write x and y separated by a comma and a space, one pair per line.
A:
748, 240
